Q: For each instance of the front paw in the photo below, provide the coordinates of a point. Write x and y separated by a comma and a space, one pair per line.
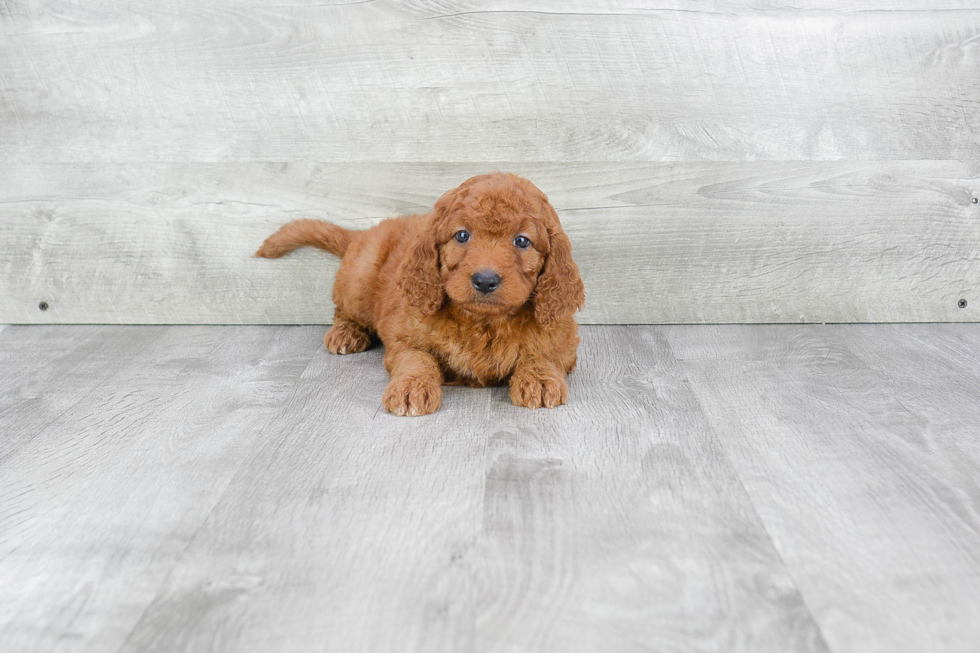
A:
535, 391
412, 396
346, 338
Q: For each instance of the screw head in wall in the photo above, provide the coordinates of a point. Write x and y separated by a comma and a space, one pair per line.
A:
43, 306
976, 200
961, 303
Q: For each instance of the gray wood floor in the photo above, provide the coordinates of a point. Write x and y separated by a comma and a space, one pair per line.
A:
708, 488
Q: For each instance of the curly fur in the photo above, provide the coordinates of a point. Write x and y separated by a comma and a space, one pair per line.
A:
408, 282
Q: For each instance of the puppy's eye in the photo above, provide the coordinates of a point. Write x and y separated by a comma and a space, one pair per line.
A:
522, 241
462, 236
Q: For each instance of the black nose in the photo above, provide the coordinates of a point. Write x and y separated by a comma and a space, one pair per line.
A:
485, 281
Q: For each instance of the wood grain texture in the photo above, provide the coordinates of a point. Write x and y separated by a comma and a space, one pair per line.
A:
502, 81
959, 342
941, 390
656, 243
46, 372
348, 527
95, 509
137, 143
863, 476
618, 523
615, 522
708, 488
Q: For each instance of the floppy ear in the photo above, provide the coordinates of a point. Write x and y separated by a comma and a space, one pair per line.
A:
560, 291
418, 276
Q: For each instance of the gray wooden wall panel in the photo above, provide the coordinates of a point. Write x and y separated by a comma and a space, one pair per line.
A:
389, 81
726, 162
664, 243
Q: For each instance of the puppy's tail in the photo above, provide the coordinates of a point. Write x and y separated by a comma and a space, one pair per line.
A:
307, 233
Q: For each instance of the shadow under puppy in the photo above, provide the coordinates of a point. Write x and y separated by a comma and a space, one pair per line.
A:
479, 291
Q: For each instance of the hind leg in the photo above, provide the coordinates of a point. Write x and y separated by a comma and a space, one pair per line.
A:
346, 337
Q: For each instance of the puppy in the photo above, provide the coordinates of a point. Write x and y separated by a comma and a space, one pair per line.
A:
479, 291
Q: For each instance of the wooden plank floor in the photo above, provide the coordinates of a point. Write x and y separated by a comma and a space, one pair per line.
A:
708, 488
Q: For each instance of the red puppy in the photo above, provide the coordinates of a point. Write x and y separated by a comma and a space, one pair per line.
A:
479, 291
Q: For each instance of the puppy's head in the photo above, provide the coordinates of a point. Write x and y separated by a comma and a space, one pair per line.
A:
493, 244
